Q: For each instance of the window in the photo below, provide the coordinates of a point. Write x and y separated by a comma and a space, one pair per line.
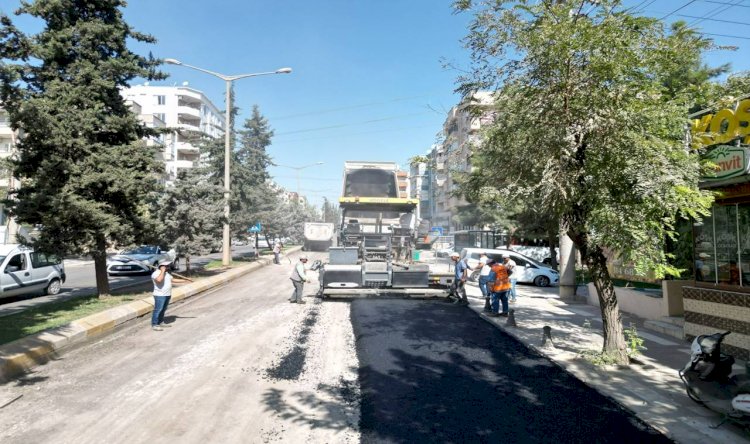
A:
161, 116
161, 100
16, 263
39, 260
721, 246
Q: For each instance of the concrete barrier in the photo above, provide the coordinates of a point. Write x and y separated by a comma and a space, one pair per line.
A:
22, 355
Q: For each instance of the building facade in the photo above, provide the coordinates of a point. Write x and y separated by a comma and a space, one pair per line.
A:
185, 109
718, 297
462, 131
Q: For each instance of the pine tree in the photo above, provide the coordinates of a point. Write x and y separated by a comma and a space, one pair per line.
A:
252, 195
83, 167
191, 215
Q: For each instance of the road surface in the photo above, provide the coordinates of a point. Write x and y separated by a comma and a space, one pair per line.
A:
241, 364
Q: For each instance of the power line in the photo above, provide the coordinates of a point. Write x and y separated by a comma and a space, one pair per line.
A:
681, 7
343, 125
646, 6
346, 108
715, 12
406, 128
714, 20
725, 35
725, 3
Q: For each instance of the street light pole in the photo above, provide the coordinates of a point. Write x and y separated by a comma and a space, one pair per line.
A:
297, 170
226, 238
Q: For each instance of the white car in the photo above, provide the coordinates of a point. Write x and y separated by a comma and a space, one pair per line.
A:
528, 270
139, 260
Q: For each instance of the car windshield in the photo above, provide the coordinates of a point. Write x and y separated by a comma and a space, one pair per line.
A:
143, 249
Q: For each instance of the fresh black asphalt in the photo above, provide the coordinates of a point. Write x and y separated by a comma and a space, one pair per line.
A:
434, 372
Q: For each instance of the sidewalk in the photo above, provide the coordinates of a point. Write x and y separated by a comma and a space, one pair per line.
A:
651, 389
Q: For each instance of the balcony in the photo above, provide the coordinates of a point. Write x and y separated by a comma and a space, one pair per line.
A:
187, 148
188, 112
189, 126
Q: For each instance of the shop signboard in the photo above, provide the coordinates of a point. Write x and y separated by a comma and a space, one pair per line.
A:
731, 161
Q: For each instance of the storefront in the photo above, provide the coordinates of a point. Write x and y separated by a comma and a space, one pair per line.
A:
718, 299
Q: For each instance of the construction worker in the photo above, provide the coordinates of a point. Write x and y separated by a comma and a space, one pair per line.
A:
500, 289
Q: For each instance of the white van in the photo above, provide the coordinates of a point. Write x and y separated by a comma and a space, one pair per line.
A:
24, 271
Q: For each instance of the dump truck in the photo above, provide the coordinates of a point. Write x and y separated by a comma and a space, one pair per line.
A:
377, 235
318, 236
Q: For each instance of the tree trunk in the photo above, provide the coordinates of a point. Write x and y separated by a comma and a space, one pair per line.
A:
100, 267
552, 240
614, 339
187, 265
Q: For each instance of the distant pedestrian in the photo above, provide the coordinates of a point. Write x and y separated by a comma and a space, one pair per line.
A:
510, 264
277, 252
485, 269
162, 294
500, 289
459, 281
299, 277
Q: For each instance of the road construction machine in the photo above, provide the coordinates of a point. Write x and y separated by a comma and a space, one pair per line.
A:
377, 235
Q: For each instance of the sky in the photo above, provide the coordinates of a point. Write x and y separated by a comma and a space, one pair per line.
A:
369, 78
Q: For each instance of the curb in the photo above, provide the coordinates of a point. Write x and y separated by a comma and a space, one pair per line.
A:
24, 354
624, 386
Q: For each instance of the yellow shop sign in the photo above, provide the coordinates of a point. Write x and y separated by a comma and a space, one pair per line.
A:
723, 126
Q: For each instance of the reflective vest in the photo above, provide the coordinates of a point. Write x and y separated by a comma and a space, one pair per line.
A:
502, 281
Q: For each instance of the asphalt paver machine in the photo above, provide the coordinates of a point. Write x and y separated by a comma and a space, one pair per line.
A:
376, 240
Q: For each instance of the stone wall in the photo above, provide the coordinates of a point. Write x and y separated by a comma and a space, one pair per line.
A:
710, 310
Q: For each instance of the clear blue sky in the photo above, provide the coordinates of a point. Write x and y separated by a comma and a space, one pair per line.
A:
368, 81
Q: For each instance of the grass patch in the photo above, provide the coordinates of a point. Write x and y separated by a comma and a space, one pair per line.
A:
55, 314
217, 263
598, 357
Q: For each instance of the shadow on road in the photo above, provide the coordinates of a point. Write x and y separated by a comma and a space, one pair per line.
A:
430, 371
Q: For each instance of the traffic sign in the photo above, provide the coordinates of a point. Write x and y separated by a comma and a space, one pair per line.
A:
255, 228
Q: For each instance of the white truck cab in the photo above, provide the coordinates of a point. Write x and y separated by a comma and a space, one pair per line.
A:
24, 271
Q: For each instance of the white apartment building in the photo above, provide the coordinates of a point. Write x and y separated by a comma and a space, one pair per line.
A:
185, 109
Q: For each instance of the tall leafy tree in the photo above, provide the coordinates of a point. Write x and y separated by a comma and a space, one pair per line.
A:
588, 122
83, 168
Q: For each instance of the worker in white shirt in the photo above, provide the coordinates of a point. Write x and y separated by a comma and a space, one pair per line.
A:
299, 277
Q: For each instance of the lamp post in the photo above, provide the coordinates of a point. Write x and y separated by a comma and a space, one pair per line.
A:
226, 241
298, 169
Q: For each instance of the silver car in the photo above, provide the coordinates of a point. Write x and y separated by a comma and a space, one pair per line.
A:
139, 260
24, 271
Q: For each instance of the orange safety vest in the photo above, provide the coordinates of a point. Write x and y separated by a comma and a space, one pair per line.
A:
502, 281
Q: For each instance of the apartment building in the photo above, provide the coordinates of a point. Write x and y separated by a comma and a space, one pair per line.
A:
420, 179
461, 135
8, 137
185, 109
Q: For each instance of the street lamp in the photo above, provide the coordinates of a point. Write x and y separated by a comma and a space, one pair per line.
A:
226, 243
298, 169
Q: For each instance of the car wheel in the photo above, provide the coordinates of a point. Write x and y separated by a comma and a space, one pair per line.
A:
175, 265
474, 277
541, 281
53, 287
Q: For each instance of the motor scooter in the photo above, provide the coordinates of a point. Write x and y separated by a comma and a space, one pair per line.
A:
709, 381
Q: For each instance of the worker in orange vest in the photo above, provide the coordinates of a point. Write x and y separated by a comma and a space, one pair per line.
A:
500, 289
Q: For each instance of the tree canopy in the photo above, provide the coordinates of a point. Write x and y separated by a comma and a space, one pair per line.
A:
82, 164
590, 122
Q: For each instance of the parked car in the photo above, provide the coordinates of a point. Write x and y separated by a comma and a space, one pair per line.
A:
528, 270
140, 260
444, 252
24, 271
